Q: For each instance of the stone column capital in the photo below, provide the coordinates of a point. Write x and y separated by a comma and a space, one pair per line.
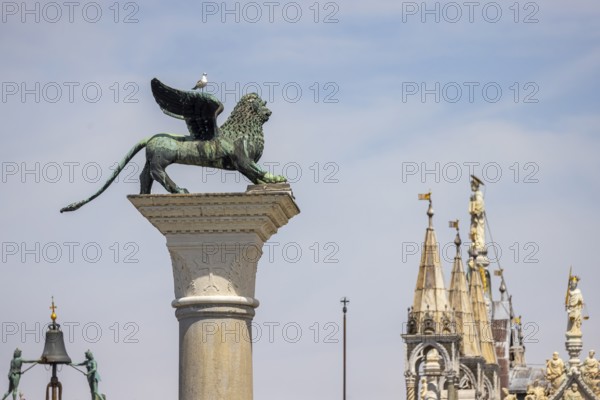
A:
262, 210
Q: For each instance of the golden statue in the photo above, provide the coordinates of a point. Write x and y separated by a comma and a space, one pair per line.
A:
507, 395
590, 371
423, 388
477, 211
572, 393
555, 372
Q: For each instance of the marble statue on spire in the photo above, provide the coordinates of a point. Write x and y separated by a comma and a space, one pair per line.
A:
460, 301
555, 372
590, 371
479, 261
572, 393
574, 306
477, 211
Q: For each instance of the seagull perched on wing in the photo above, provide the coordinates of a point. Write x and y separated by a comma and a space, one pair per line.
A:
201, 84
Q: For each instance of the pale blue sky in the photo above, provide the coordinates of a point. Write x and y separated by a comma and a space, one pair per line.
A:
356, 146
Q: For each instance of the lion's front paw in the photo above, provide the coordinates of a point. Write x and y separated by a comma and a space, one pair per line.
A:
181, 190
270, 178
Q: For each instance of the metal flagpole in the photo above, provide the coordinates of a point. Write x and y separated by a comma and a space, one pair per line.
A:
345, 301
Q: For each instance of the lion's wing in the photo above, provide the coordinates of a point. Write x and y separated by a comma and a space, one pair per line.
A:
199, 110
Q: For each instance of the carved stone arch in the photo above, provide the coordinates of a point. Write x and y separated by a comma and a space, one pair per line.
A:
418, 354
466, 378
487, 390
444, 382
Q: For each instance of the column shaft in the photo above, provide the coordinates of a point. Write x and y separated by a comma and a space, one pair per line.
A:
215, 242
215, 352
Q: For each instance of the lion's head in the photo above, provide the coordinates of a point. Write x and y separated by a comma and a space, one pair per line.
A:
254, 105
250, 113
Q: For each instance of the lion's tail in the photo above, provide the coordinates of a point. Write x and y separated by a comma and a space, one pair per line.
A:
134, 150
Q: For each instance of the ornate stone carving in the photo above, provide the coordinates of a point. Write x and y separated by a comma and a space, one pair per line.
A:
410, 385
182, 278
447, 325
507, 395
207, 275
590, 372
477, 211
432, 362
539, 391
555, 372
572, 393
466, 379
242, 275
211, 277
487, 390
252, 211
423, 390
432, 392
412, 326
428, 324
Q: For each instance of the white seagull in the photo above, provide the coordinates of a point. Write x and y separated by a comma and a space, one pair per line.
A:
201, 84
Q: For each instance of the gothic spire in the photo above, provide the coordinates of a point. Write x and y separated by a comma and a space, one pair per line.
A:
430, 306
480, 313
460, 302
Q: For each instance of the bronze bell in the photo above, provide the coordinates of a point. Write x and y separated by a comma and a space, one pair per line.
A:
54, 348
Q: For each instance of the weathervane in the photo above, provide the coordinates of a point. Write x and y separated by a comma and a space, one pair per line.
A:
453, 224
53, 308
427, 196
236, 145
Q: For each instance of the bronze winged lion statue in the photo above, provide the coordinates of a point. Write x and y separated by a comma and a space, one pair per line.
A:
236, 145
